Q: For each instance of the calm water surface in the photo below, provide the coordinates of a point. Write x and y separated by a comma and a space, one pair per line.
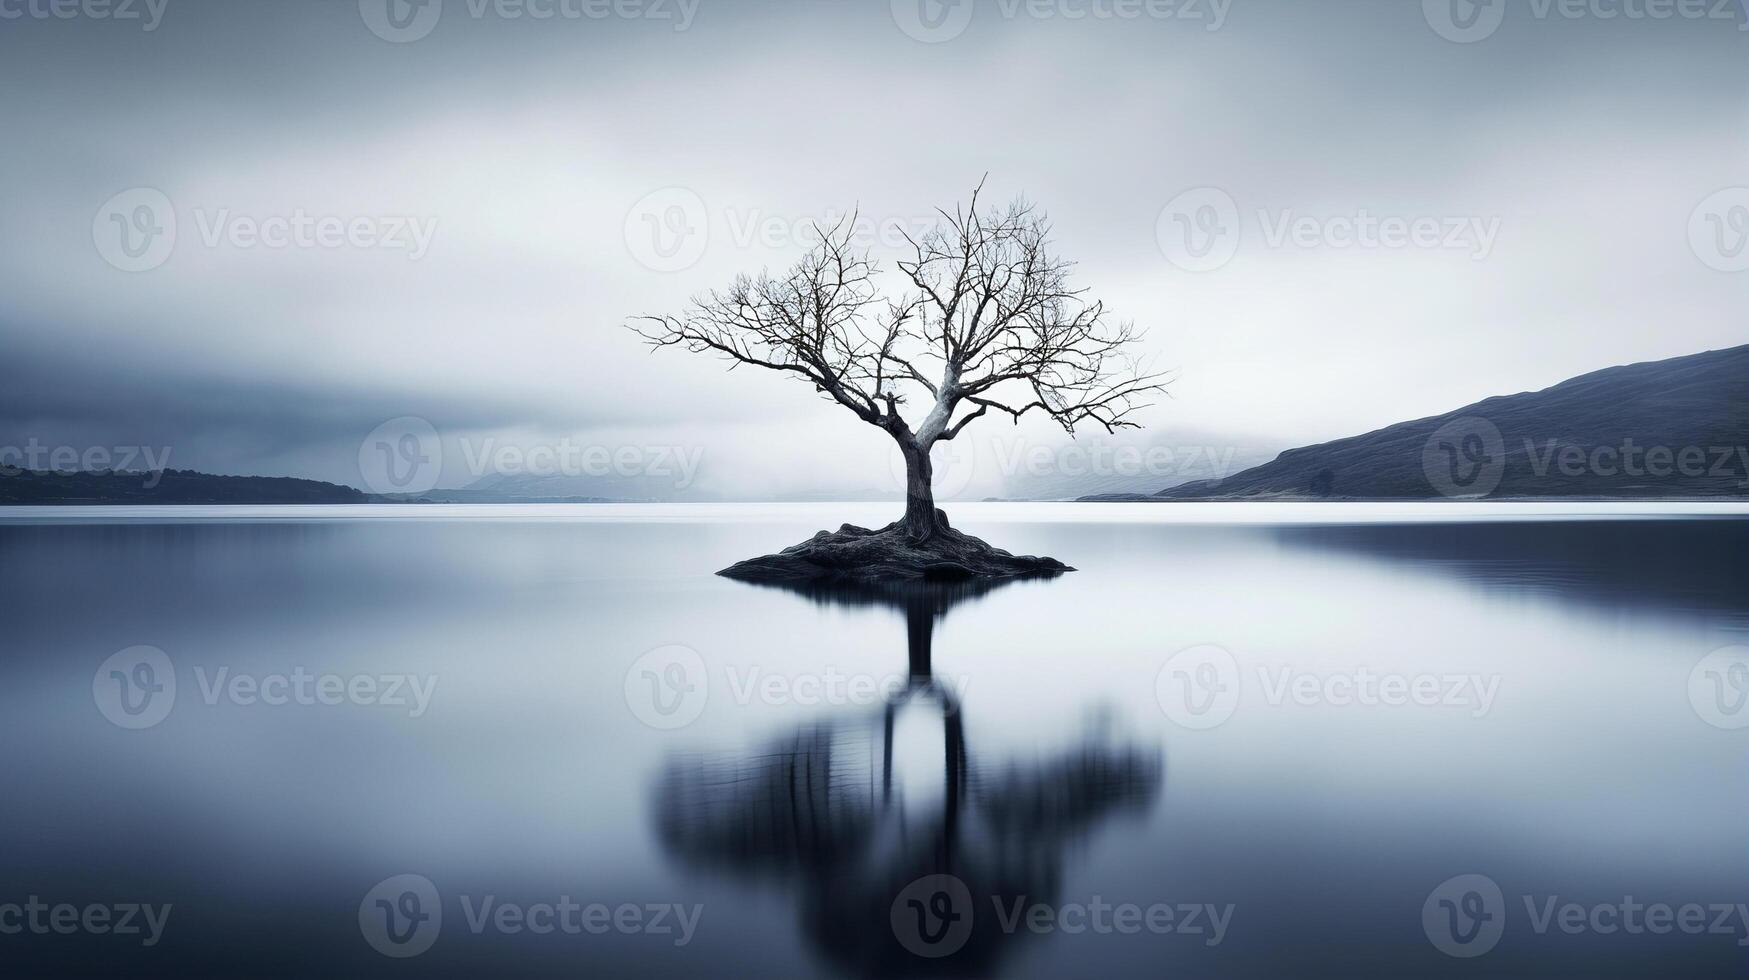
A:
564, 705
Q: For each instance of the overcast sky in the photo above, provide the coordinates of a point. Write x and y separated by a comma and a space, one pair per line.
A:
509, 188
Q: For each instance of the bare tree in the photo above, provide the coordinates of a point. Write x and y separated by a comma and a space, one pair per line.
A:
986, 322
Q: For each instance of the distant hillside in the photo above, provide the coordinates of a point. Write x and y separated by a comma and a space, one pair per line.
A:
1663, 429
168, 487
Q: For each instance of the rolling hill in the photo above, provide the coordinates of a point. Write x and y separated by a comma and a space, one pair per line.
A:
1672, 429
19, 486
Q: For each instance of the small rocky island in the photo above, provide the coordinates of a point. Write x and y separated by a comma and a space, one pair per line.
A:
858, 556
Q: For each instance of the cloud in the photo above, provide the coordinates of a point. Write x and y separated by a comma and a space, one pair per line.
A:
526, 146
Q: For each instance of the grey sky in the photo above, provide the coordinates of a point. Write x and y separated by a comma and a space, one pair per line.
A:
1565, 153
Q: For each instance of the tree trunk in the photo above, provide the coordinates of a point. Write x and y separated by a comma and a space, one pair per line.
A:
920, 522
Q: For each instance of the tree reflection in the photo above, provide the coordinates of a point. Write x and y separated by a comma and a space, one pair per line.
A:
819, 811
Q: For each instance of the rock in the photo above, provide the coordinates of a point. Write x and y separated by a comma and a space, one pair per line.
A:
857, 555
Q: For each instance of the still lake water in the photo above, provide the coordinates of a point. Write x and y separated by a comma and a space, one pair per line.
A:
745, 781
